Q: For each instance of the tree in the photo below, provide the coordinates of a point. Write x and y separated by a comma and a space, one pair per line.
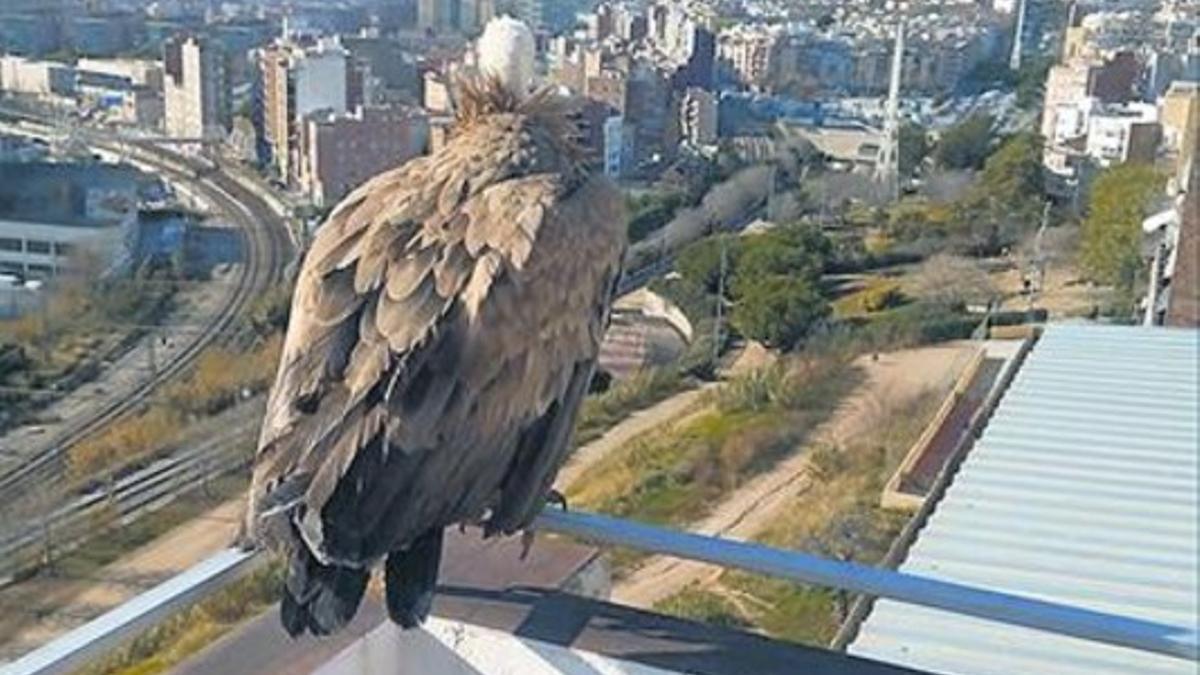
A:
965, 145
779, 310
914, 148
1030, 81
651, 211
792, 250
1013, 173
700, 263
953, 282
1112, 234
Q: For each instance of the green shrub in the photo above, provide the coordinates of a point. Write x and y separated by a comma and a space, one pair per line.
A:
779, 311
651, 212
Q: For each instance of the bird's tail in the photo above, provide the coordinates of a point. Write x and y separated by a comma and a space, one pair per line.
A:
411, 576
318, 598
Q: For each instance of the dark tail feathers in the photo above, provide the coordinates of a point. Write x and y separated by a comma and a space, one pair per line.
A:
317, 598
411, 577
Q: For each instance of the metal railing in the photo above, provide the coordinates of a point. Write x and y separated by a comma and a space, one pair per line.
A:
93, 639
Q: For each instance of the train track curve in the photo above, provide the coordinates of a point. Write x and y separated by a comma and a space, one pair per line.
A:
267, 247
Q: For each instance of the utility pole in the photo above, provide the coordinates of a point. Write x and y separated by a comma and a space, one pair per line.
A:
887, 165
1014, 59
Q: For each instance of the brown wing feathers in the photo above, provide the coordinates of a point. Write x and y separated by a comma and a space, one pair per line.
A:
427, 283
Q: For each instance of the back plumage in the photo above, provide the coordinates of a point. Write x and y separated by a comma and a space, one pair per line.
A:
444, 328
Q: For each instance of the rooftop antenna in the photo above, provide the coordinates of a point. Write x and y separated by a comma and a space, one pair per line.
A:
1014, 60
887, 166
286, 28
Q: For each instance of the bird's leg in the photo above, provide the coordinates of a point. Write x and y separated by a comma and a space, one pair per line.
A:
527, 537
553, 497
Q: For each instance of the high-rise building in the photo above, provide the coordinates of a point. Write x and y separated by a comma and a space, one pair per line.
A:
195, 89
298, 80
338, 152
699, 67
1123, 133
454, 16
698, 117
750, 55
1181, 121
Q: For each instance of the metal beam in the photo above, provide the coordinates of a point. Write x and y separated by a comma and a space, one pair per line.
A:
95, 638
1178, 641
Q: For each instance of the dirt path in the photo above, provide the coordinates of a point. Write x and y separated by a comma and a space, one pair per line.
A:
46, 607
893, 377
626, 430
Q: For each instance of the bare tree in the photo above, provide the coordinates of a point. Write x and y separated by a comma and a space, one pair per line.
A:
953, 281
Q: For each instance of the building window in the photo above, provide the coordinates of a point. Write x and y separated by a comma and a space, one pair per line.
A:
10, 244
35, 246
63, 248
41, 271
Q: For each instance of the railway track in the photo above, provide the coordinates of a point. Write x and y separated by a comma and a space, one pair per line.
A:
266, 245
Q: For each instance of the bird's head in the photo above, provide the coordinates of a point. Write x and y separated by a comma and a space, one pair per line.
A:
502, 96
504, 81
506, 52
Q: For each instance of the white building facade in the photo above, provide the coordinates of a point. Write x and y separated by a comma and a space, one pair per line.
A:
196, 101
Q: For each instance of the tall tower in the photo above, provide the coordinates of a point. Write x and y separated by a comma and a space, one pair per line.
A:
1014, 60
887, 166
195, 94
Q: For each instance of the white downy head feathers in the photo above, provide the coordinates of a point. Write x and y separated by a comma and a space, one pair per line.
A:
506, 51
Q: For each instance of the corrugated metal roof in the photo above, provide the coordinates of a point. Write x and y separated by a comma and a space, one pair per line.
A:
1082, 490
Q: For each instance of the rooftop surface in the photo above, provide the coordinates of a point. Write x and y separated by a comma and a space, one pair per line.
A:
1082, 490
497, 614
41, 192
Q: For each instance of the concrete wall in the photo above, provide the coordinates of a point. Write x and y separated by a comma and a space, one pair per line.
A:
40, 250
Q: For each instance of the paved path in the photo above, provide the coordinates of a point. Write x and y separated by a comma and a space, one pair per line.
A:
893, 377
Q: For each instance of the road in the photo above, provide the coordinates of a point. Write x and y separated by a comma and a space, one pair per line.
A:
267, 247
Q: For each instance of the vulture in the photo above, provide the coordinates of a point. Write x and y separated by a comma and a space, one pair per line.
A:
444, 328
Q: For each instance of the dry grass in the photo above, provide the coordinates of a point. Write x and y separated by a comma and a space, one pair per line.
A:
678, 473
600, 412
81, 317
838, 517
164, 646
215, 383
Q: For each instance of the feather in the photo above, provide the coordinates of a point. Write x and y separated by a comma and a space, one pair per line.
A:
406, 321
442, 332
405, 275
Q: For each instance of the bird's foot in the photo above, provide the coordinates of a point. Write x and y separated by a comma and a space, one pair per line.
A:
557, 499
